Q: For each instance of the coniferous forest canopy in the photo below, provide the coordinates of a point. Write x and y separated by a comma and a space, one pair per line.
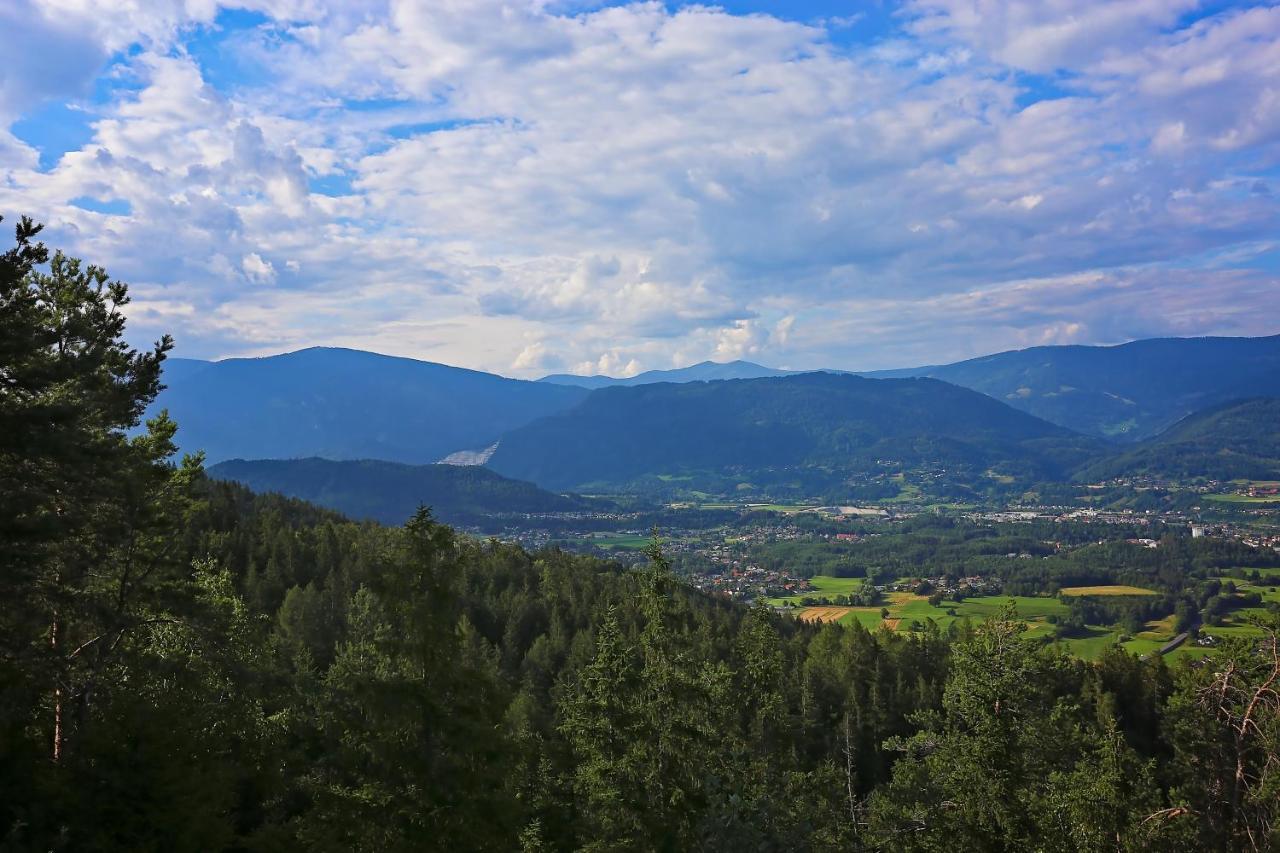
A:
185, 665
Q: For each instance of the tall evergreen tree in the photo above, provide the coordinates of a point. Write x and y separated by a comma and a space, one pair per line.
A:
410, 710
95, 586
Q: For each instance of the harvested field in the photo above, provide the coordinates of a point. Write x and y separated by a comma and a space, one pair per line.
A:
1110, 589
824, 614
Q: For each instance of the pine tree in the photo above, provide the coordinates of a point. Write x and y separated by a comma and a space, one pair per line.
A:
411, 708
127, 673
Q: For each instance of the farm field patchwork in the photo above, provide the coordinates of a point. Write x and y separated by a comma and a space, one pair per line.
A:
907, 610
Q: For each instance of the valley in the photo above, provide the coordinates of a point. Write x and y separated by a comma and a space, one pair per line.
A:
838, 498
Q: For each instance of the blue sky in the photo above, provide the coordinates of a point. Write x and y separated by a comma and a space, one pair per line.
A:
529, 187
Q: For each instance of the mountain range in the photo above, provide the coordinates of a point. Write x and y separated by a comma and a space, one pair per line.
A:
343, 404
1127, 392
703, 371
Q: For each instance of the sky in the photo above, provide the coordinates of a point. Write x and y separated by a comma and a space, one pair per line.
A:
536, 187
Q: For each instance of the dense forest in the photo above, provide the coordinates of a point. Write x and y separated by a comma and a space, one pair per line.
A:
1235, 440
390, 492
814, 427
185, 665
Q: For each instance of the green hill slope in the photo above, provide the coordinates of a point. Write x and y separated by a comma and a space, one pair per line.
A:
1237, 440
840, 424
390, 492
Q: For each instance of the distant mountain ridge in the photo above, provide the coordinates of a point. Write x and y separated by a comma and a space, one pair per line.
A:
390, 492
1127, 392
704, 371
834, 422
346, 404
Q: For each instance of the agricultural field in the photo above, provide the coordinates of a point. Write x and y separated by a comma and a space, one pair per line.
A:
620, 541
824, 587
910, 493
826, 614
1268, 588
1109, 589
1098, 639
786, 509
1237, 623
1244, 499
906, 608
1092, 644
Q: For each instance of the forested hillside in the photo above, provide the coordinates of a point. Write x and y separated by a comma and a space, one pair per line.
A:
185, 666
1127, 392
390, 492
347, 404
833, 423
1240, 439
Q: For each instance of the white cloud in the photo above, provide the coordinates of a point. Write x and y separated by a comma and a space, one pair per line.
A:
258, 270
633, 187
1048, 35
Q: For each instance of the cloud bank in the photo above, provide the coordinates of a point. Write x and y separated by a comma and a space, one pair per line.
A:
529, 186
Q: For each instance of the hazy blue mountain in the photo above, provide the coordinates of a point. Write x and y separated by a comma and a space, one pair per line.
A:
347, 404
390, 492
1240, 439
1129, 392
835, 422
702, 371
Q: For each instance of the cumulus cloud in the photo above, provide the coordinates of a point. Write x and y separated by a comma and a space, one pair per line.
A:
258, 270
1049, 35
518, 187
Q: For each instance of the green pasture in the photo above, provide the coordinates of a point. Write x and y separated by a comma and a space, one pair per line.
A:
620, 541
908, 608
824, 586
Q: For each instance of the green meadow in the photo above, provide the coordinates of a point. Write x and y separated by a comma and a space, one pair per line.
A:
620, 541
824, 587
